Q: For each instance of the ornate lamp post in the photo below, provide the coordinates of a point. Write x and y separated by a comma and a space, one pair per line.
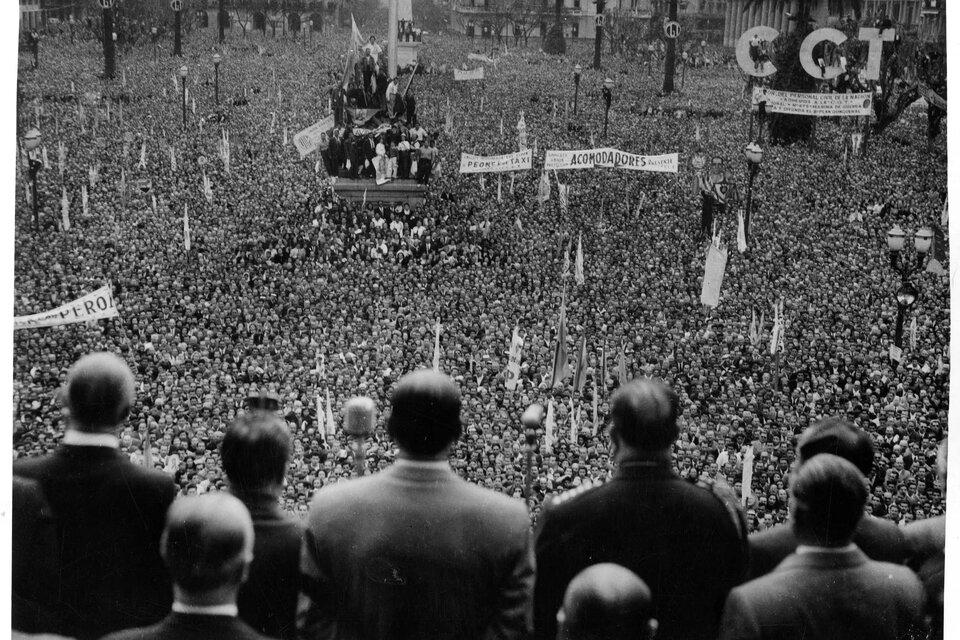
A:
31, 142
608, 85
216, 77
598, 41
908, 293
754, 156
109, 50
183, 93
577, 70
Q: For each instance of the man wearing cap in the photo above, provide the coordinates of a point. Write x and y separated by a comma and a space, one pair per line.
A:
108, 513
415, 551
879, 539
828, 588
683, 541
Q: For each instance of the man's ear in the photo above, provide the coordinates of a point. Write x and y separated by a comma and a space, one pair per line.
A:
652, 627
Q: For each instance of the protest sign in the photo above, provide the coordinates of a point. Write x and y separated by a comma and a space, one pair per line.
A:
611, 158
461, 75
813, 104
92, 306
520, 161
308, 140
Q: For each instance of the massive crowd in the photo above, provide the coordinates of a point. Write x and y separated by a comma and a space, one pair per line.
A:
290, 290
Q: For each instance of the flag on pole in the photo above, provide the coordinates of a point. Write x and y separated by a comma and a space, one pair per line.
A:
714, 268
578, 267
543, 190
501, 126
513, 362
84, 200
436, 347
754, 329
143, 155
321, 418
913, 334
549, 424
580, 377
603, 365
574, 427
622, 366
331, 424
565, 272
186, 228
746, 478
173, 159
357, 39
562, 196
561, 367
61, 156
775, 334
499, 188
938, 252
741, 233
596, 403
65, 210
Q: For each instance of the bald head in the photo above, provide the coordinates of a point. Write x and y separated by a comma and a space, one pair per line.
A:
99, 392
644, 414
207, 542
424, 413
606, 601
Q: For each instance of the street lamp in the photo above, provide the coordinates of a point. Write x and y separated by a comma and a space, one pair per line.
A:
909, 292
31, 142
754, 156
311, 32
577, 70
683, 77
177, 6
907, 296
216, 77
109, 55
35, 47
183, 93
607, 96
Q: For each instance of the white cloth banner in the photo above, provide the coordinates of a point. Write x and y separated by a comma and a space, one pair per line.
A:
480, 57
713, 274
92, 306
513, 365
473, 74
611, 158
308, 140
814, 104
520, 161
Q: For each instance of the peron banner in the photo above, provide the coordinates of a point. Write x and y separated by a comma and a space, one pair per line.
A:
308, 140
520, 161
813, 104
472, 74
92, 306
611, 158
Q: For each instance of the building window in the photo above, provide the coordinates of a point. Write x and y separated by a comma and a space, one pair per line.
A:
576, 4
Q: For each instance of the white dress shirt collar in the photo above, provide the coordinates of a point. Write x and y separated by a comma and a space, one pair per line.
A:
211, 610
807, 548
83, 439
422, 464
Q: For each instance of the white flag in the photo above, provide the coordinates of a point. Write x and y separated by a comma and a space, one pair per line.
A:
574, 426
913, 334
321, 418
65, 210
143, 155
331, 425
549, 425
84, 200
513, 363
578, 267
499, 189
186, 228
173, 159
741, 233
61, 156
436, 347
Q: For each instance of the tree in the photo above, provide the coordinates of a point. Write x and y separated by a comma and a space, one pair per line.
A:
526, 15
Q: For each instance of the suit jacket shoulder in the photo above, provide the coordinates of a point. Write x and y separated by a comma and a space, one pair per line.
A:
179, 626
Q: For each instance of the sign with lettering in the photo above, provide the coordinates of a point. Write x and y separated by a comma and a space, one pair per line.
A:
611, 158
814, 104
92, 306
520, 161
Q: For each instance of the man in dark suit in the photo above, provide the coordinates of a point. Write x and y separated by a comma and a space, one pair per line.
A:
414, 551
606, 602
255, 453
34, 564
879, 539
827, 589
683, 541
108, 512
207, 545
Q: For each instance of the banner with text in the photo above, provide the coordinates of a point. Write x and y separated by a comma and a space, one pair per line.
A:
813, 104
520, 161
473, 74
612, 158
308, 140
92, 306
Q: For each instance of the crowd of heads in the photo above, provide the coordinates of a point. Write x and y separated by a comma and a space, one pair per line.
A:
290, 290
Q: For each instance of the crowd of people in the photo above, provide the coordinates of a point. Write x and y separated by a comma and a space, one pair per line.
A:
289, 290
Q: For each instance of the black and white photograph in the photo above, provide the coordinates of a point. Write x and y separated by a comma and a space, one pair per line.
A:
477, 320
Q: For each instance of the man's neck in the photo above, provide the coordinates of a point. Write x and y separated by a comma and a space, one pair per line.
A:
627, 454
219, 597
77, 437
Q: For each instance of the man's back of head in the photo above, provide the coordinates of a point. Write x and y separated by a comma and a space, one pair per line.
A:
828, 494
255, 452
425, 414
644, 414
606, 602
99, 392
207, 545
838, 437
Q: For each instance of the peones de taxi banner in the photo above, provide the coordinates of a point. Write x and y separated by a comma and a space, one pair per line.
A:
520, 161
813, 104
92, 306
556, 160
308, 140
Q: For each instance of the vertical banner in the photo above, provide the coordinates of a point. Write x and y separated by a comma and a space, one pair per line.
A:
513, 364
714, 269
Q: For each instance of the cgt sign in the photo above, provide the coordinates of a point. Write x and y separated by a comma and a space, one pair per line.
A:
755, 38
